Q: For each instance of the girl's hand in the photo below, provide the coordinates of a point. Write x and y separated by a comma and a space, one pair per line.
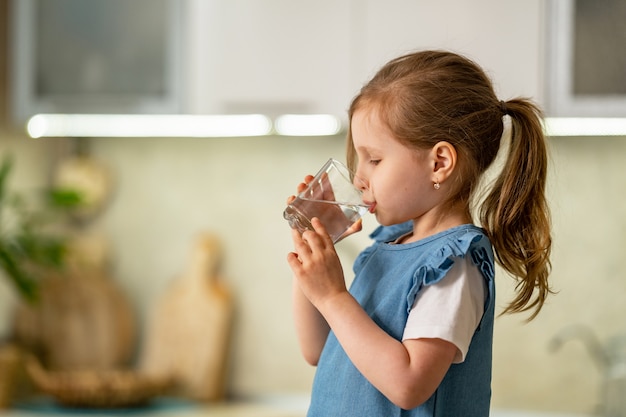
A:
355, 228
301, 187
315, 264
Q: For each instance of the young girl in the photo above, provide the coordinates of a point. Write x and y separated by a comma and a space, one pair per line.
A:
413, 336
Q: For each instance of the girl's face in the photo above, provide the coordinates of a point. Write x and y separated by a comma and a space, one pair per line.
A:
398, 180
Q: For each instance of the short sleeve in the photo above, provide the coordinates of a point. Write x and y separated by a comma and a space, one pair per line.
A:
450, 309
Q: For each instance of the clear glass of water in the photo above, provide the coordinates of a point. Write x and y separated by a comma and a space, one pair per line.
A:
331, 197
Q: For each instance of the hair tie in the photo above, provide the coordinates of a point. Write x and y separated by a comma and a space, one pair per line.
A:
503, 108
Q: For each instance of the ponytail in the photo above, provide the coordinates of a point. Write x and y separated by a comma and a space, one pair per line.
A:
515, 212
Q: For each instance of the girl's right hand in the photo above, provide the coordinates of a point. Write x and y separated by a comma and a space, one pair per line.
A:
355, 228
301, 187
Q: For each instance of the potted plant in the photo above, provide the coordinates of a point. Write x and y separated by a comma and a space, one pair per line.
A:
29, 244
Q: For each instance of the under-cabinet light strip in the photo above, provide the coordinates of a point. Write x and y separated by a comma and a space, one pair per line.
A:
122, 125
307, 125
585, 126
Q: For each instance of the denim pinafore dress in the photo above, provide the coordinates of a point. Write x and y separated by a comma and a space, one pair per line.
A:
388, 278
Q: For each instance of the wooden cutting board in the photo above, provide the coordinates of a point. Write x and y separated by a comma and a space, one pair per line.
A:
189, 332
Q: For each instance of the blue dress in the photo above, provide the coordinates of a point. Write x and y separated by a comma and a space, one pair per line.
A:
388, 278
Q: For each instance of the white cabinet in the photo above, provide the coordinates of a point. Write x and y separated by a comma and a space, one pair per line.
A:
504, 37
290, 56
276, 56
586, 61
271, 56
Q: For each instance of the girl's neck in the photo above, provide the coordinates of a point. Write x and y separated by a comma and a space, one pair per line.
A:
433, 223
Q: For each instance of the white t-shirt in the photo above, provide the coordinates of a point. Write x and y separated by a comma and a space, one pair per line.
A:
450, 309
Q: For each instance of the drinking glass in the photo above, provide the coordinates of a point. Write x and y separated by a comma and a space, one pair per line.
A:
331, 197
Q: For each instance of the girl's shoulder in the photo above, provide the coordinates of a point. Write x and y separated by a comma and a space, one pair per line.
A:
466, 242
465, 233
433, 255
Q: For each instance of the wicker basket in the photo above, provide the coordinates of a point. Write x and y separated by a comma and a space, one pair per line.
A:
97, 389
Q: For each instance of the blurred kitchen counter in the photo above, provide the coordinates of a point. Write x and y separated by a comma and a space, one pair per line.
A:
263, 407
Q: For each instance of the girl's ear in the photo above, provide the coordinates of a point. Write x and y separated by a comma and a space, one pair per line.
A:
444, 159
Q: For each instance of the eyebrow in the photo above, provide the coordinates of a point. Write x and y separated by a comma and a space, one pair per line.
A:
368, 149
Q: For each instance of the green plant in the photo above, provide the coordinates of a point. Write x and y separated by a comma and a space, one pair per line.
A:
29, 243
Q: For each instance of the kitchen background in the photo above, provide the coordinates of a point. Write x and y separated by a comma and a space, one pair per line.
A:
285, 56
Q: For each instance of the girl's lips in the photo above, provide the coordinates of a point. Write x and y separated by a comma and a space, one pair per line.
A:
372, 207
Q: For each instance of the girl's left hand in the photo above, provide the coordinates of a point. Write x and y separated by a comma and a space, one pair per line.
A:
315, 264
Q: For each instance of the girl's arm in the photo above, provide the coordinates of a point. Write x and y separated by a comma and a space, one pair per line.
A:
311, 327
407, 373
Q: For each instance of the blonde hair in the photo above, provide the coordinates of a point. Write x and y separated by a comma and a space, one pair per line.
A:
432, 96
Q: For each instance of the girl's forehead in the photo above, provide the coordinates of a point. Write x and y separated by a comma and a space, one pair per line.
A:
368, 119
368, 109
366, 131
371, 135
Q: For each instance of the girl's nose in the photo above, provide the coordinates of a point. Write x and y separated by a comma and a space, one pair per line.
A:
360, 183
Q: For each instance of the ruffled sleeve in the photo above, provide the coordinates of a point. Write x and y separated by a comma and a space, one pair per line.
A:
472, 242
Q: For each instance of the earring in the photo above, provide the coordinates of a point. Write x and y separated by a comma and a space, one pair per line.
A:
437, 186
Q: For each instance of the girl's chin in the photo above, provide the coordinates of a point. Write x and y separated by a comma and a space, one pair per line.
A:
387, 222
382, 221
